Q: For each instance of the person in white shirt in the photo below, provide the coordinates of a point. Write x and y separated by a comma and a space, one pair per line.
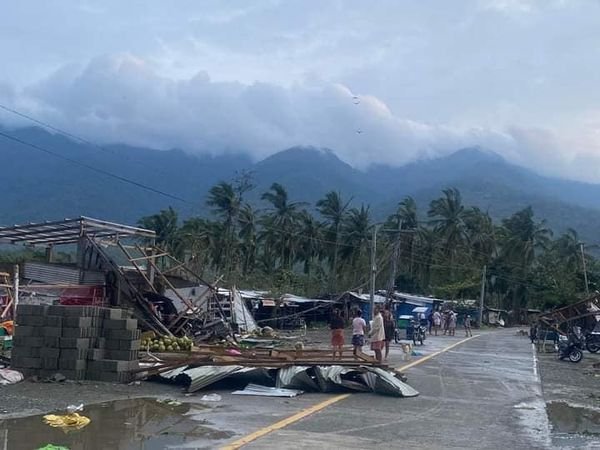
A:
437, 321
377, 334
359, 327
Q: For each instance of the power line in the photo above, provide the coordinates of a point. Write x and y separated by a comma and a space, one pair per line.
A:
77, 137
92, 168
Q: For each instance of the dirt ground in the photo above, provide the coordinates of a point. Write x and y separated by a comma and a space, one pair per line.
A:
573, 383
28, 398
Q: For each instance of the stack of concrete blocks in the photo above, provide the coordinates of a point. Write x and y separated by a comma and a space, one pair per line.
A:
79, 342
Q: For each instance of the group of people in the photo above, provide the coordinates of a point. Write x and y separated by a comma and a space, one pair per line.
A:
382, 332
383, 328
446, 321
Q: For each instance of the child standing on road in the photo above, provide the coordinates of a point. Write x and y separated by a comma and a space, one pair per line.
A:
359, 327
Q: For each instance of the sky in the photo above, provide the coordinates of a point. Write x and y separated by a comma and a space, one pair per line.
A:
380, 82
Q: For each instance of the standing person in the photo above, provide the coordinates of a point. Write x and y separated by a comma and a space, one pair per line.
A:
430, 322
445, 322
359, 327
389, 327
437, 321
452, 323
533, 332
337, 333
468, 331
377, 334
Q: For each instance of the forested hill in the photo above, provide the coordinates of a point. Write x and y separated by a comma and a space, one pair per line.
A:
39, 186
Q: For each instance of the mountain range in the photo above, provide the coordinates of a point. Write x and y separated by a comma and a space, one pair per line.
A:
38, 186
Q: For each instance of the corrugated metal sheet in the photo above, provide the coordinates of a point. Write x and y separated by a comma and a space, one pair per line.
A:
51, 273
383, 382
57, 274
296, 377
266, 391
328, 378
200, 377
242, 315
93, 278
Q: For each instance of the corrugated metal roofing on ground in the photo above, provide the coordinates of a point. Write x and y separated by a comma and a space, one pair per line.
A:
308, 378
266, 391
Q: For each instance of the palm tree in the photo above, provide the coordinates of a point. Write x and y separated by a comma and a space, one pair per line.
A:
284, 217
523, 238
226, 203
427, 242
164, 224
481, 235
199, 240
404, 218
448, 219
310, 247
248, 234
568, 248
333, 209
357, 237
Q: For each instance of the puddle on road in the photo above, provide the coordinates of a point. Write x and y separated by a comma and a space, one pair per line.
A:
124, 425
571, 419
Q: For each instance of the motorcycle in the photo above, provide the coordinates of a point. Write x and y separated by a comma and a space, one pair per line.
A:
419, 333
571, 346
592, 341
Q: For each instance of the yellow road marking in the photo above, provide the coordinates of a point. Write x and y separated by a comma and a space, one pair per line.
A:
283, 423
319, 406
433, 355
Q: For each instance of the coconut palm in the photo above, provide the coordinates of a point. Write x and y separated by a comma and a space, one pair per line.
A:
283, 216
199, 239
481, 235
310, 248
448, 219
523, 238
164, 224
333, 209
248, 234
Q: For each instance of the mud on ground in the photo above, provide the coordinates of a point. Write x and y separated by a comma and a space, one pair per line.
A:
566, 381
28, 398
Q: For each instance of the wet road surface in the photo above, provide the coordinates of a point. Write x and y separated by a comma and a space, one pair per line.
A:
483, 394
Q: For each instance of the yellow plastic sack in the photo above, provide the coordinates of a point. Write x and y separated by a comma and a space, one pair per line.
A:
67, 422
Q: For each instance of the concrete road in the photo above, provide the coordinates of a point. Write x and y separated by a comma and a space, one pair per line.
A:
483, 394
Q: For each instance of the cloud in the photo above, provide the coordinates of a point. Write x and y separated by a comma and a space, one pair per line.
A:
121, 98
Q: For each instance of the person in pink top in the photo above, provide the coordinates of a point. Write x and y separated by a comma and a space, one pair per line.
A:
359, 327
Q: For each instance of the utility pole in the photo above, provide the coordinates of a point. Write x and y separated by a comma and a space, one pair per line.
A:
480, 319
395, 257
15, 291
587, 288
373, 270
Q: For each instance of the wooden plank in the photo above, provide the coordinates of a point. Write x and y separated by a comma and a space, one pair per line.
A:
138, 268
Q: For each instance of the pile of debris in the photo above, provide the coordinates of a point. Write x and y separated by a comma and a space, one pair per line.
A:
306, 369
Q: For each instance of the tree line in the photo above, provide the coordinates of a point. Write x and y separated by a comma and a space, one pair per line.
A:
325, 248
